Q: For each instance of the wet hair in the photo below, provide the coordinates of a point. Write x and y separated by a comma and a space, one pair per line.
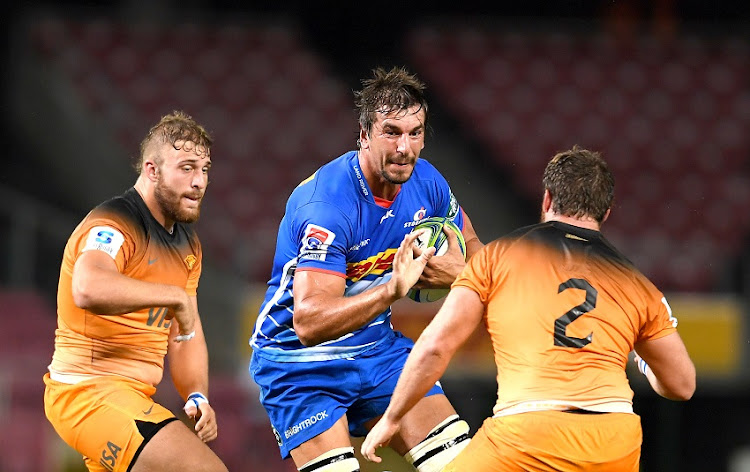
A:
175, 129
395, 90
580, 184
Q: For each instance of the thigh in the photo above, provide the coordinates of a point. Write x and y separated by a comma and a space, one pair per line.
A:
175, 448
337, 436
380, 371
103, 419
304, 400
550, 441
482, 455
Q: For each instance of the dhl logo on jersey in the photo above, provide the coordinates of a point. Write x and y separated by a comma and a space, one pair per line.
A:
376, 264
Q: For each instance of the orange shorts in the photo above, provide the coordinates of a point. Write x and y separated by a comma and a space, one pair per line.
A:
107, 419
546, 441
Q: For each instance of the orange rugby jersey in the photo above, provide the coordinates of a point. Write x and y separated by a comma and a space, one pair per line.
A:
133, 344
564, 309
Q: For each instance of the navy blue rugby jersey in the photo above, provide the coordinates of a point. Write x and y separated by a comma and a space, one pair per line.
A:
332, 224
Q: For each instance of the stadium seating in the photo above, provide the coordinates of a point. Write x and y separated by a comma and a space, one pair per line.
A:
28, 333
669, 117
275, 112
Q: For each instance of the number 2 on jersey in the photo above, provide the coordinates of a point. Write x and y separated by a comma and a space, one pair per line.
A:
561, 324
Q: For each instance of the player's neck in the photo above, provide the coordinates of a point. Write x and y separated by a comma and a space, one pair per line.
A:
587, 223
379, 186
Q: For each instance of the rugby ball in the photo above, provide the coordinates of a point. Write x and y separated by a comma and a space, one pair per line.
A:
432, 235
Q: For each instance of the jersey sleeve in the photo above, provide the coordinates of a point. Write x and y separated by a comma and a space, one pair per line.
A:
480, 274
321, 234
447, 204
658, 319
108, 234
191, 287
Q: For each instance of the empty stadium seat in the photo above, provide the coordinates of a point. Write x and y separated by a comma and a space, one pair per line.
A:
667, 117
275, 112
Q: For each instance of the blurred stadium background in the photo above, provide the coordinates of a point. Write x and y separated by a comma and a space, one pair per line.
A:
660, 88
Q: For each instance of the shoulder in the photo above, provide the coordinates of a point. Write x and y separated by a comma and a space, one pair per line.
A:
121, 211
424, 169
331, 185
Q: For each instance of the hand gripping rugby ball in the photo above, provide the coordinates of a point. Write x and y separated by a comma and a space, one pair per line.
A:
432, 235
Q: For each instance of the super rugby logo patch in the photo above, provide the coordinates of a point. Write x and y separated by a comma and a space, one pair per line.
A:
105, 239
315, 242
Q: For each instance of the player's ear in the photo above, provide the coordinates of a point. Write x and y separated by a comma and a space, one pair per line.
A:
606, 215
150, 170
364, 140
546, 201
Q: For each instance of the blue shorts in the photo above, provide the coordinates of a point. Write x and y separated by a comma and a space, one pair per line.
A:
305, 399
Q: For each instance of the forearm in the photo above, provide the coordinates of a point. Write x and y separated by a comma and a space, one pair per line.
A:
322, 317
459, 316
424, 366
112, 293
188, 364
473, 244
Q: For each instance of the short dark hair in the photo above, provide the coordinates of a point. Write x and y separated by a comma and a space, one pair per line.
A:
389, 91
172, 128
580, 184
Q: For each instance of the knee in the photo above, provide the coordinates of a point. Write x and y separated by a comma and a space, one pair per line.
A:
440, 446
336, 460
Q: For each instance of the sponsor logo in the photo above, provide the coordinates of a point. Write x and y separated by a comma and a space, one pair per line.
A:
419, 215
410, 224
672, 319
359, 245
151, 261
148, 412
109, 456
158, 316
388, 214
306, 423
277, 436
105, 239
315, 242
362, 184
376, 264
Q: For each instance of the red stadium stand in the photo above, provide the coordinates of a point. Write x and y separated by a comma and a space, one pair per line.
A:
26, 440
670, 118
274, 110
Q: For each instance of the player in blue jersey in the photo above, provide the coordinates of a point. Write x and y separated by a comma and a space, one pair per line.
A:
325, 355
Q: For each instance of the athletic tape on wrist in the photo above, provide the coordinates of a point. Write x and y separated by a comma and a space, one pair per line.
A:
195, 398
642, 366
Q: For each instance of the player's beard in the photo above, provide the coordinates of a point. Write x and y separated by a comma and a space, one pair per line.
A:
169, 202
394, 178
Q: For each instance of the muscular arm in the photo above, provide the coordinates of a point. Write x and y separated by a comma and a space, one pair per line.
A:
473, 244
99, 287
323, 313
188, 361
671, 373
460, 314
188, 366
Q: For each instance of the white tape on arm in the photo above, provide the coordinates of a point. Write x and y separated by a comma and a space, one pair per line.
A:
195, 399
184, 337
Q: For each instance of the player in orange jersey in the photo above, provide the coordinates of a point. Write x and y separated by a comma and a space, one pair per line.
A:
126, 298
564, 309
